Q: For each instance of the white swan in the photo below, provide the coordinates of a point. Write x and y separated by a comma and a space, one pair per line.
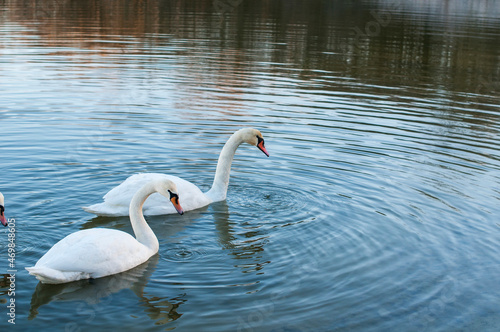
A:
99, 252
116, 201
3, 220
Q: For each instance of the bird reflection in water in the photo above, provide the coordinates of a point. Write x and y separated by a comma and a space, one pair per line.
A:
97, 292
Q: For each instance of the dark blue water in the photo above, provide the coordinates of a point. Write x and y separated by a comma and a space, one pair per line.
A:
377, 210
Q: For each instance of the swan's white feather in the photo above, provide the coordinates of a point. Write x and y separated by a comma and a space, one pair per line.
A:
117, 200
91, 253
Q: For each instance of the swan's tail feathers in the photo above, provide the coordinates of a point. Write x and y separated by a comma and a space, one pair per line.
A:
50, 276
103, 209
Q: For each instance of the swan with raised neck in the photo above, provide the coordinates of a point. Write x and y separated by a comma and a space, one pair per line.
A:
117, 200
100, 252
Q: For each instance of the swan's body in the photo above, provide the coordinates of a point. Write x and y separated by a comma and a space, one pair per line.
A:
99, 252
77, 257
116, 201
3, 220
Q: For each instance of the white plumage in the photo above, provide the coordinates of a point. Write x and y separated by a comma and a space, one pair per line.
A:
99, 252
117, 200
91, 253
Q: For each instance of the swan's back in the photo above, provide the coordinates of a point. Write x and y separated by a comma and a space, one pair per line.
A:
117, 200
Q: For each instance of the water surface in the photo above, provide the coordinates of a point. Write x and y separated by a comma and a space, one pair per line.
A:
377, 210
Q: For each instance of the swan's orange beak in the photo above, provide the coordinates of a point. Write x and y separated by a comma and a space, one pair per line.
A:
3, 220
174, 198
261, 146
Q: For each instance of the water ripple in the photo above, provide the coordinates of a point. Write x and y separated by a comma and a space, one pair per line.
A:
181, 253
377, 209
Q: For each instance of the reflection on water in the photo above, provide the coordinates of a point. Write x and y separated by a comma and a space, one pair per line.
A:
376, 211
391, 43
101, 291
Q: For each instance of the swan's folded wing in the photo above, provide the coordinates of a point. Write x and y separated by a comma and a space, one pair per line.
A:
117, 200
104, 209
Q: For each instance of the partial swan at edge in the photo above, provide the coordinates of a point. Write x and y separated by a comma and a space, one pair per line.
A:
3, 220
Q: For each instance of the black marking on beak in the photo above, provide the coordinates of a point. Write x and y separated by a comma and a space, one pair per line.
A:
173, 196
2, 217
261, 146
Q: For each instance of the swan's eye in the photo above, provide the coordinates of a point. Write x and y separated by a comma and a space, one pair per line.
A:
2, 209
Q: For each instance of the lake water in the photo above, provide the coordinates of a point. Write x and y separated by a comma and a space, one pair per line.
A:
378, 209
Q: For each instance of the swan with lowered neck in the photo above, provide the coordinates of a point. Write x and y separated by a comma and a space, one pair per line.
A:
117, 199
3, 220
99, 252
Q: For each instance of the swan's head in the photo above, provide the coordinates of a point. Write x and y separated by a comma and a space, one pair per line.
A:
254, 137
168, 189
3, 220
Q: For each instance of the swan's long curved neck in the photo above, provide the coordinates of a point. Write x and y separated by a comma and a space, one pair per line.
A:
221, 179
143, 233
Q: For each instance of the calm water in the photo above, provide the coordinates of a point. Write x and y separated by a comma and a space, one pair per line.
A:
377, 210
